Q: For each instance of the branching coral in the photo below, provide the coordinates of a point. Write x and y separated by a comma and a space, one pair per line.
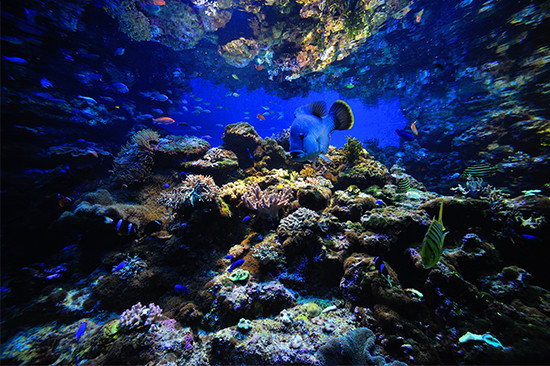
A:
140, 316
475, 188
132, 266
266, 203
195, 189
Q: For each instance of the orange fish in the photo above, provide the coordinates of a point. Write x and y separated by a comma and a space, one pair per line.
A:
413, 128
158, 2
259, 67
260, 117
164, 120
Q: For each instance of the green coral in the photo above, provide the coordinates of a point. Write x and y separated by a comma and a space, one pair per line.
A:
354, 18
353, 149
313, 310
244, 325
353, 13
109, 333
239, 275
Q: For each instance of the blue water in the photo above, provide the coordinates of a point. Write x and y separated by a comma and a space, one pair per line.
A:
371, 121
98, 213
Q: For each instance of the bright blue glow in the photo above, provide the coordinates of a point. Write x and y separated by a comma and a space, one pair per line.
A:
371, 121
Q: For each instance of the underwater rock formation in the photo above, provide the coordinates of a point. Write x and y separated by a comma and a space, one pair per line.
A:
356, 347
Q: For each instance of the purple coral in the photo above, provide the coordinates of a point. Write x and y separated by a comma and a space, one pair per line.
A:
139, 316
266, 203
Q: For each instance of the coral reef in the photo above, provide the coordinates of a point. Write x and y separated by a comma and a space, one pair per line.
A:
239, 52
356, 347
217, 163
139, 316
242, 139
191, 147
266, 203
194, 190
135, 160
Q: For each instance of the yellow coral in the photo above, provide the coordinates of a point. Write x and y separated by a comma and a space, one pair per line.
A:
308, 171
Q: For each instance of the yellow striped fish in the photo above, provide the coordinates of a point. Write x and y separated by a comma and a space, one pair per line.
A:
483, 170
403, 185
432, 245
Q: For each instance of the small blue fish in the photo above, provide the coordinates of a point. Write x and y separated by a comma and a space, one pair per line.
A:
407, 136
530, 237
145, 117
151, 8
16, 60
381, 267
229, 256
246, 218
80, 331
46, 83
166, 185
107, 99
236, 264
119, 51
119, 266
181, 289
119, 87
87, 99
380, 202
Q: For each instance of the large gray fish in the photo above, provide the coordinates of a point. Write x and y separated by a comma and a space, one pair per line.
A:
311, 128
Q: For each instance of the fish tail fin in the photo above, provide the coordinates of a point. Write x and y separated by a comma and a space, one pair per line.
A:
342, 115
441, 215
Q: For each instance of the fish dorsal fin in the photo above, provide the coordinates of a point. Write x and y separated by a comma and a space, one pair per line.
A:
318, 109
342, 115
441, 215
